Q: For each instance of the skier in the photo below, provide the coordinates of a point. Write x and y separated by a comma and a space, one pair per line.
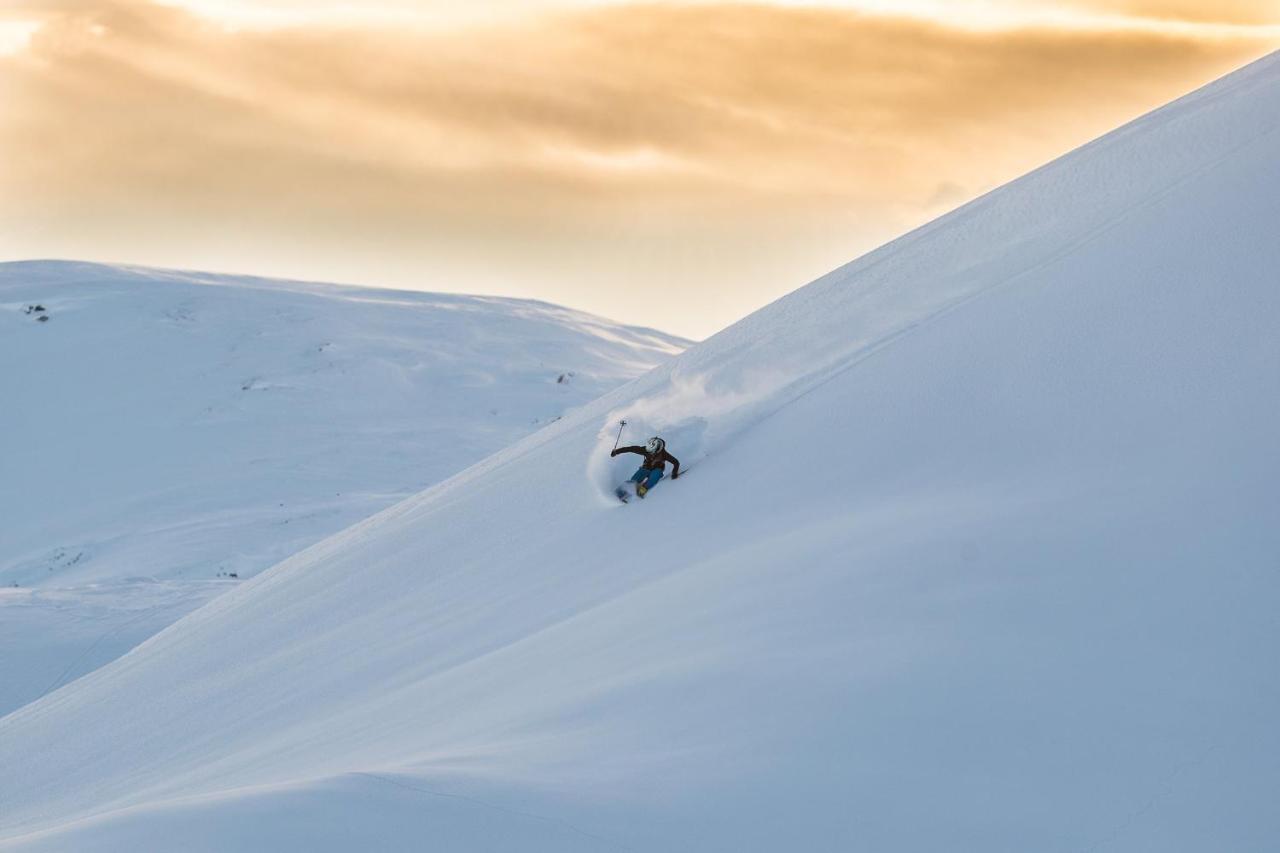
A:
652, 468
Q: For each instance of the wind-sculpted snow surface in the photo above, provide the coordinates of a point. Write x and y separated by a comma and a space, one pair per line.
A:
979, 554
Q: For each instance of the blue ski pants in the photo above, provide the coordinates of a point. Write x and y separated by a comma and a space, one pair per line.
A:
648, 476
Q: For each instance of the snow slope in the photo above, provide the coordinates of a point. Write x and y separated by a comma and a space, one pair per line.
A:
977, 551
164, 430
172, 424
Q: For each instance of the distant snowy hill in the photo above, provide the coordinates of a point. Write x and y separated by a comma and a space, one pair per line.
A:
164, 426
977, 551
169, 424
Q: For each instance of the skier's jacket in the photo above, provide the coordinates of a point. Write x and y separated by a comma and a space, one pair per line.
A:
653, 461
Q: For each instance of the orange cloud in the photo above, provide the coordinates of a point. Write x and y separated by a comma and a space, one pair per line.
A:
1217, 11
684, 141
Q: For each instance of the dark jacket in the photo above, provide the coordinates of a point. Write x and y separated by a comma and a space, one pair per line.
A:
655, 461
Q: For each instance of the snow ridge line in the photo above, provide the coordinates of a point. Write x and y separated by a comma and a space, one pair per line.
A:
812, 381
57, 682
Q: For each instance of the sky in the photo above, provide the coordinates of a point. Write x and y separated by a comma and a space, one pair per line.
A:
674, 165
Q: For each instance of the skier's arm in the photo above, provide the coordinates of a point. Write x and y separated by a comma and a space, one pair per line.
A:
675, 464
632, 449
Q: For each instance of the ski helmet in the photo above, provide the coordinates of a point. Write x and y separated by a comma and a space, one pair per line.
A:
655, 445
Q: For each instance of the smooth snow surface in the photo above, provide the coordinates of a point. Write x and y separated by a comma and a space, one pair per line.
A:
977, 551
166, 430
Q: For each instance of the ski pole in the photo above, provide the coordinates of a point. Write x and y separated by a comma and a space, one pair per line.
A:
621, 424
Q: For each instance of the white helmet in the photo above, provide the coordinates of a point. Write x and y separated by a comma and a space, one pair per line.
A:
655, 445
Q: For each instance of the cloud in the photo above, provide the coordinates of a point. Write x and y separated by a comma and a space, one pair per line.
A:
512, 145
1219, 11
632, 98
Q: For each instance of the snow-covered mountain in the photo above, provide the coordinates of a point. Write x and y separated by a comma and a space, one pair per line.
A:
171, 424
165, 431
977, 551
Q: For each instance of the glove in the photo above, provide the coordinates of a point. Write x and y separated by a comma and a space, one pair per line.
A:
675, 475
613, 453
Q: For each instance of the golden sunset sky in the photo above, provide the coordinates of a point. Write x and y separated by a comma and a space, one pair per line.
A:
675, 165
